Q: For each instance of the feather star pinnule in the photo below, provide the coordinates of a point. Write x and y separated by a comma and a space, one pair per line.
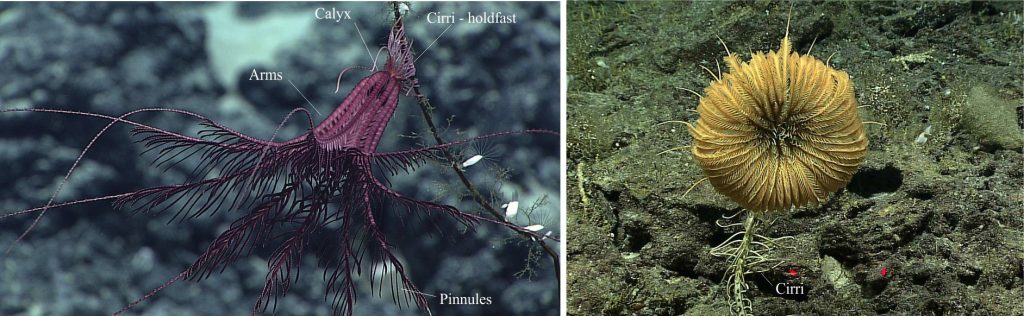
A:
778, 132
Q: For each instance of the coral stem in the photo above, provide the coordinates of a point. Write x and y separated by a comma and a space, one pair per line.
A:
426, 109
741, 305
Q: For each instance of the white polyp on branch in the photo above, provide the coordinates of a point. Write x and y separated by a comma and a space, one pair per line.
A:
403, 8
511, 209
472, 161
534, 228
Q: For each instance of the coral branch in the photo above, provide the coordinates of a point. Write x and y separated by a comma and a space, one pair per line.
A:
426, 110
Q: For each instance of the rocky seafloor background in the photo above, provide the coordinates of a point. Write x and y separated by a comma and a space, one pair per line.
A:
111, 58
938, 202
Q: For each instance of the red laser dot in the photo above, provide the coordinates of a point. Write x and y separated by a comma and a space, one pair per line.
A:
792, 272
884, 271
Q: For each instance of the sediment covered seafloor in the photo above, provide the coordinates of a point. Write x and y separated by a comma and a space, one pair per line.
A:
937, 203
